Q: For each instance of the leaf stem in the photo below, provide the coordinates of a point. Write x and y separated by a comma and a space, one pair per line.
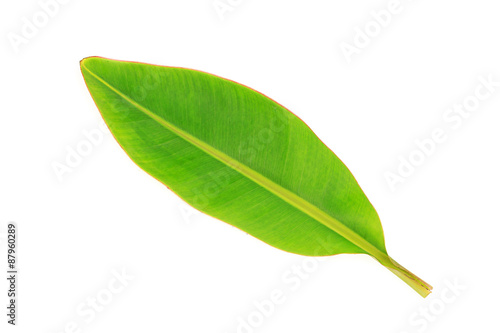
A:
416, 283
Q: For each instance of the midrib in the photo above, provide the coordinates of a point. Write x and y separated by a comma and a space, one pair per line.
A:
283, 193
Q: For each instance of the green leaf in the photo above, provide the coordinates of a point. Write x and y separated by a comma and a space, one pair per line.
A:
238, 156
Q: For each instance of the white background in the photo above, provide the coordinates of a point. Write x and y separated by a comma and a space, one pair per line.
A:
192, 273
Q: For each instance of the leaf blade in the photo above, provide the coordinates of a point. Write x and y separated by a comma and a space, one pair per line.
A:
277, 200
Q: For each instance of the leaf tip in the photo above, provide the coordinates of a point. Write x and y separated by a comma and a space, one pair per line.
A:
85, 62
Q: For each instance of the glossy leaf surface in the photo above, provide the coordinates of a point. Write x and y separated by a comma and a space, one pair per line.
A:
238, 156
